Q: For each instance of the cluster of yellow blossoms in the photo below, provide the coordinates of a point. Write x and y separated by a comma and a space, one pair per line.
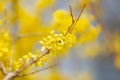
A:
28, 58
58, 43
83, 30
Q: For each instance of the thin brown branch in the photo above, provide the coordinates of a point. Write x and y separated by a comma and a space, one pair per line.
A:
71, 13
69, 29
78, 17
73, 24
3, 69
27, 74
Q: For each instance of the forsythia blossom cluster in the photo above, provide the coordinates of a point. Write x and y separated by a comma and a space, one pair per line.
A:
83, 30
58, 43
28, 58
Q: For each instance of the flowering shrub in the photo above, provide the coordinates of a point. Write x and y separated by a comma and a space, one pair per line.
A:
65, 32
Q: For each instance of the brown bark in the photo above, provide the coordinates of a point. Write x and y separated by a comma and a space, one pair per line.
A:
10, 76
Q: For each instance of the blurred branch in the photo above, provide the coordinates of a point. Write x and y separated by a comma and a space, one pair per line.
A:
29, 35
107, 33
14, 19
49, 67
2, 68
12, 55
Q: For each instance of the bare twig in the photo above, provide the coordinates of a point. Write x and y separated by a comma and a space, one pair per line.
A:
71, 13
12, 56
78, 17
74, 23
27, 74
3, 69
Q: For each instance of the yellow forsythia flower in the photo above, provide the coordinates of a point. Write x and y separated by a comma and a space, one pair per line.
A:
26, 59
58, 43
89, 35
61, 20
82, 25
